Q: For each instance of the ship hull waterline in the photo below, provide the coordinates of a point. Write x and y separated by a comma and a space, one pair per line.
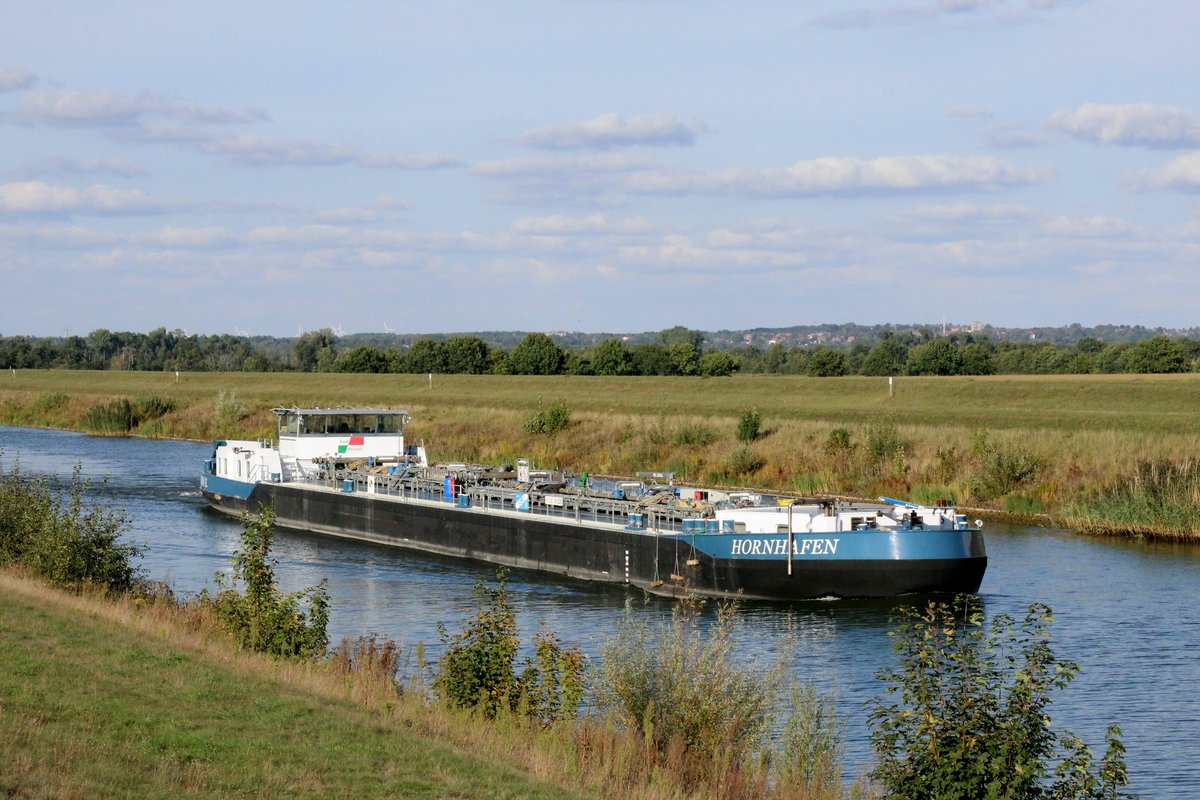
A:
880, 564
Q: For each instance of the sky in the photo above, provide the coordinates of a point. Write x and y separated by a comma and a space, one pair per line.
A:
597, 165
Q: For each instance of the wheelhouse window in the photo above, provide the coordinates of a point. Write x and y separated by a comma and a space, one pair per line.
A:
289, 424
366, 423
390, 423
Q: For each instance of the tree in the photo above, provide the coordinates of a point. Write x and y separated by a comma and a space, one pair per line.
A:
826, 363
938, 357
425, 355
681, 335
682, 359
1157, 355
717, 364
977, 360
466, 355
306, 350
363, 358
886, 358
966, 712
537, 354
612, 357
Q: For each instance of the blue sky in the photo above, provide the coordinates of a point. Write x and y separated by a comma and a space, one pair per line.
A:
597, 165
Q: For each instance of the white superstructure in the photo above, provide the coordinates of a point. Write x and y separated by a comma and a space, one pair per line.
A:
308, 436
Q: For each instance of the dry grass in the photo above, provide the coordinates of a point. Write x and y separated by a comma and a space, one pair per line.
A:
1090, 432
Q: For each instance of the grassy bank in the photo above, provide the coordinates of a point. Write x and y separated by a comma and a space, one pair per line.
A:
1073, 447
101, 700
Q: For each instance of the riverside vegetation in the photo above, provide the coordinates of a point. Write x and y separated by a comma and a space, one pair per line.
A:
1098, 453
120, 687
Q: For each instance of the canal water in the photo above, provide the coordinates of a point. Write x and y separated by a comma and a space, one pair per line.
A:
1128, 612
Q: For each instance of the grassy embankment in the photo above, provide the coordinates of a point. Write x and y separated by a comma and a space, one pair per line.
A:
106, 699
1105, 453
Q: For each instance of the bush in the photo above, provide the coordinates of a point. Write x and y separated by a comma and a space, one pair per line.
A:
838, 442
749, 426
1002, 467
263, 619
967, 712
552, 684
229, 408
66, 540
812, 744
554, 419
477, 665
744, 461
476, 668
694, 434
681, 688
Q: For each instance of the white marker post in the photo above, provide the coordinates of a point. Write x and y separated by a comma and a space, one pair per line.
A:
889, 386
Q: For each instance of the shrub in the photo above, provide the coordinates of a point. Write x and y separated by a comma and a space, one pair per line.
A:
229, 409
551, 420
749, 426
64, 538
477, 665
744, 461
1002, 467
812, 744
694, 434
263, 619
967, 712
476, 668
838, 442
553, 682
681, 688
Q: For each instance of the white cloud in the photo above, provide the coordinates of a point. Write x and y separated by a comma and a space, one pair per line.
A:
1144, 124
177, 236
838, 175
76, 166
255, 150
112, 109
300, 234
1182, 172
610, 130
553, 165
562, 225
36, 197
969, 212
1094, 227
12, 80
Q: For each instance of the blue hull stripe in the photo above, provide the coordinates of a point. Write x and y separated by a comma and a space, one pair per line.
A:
226, 487
873, 545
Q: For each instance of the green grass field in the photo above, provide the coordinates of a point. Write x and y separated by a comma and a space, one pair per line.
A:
1086, 435
91, 707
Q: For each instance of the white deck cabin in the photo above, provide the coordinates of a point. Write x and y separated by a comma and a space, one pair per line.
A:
309, 435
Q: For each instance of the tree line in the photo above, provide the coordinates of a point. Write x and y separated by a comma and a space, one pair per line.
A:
677, 351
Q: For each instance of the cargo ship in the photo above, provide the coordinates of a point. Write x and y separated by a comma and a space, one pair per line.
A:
348, 472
